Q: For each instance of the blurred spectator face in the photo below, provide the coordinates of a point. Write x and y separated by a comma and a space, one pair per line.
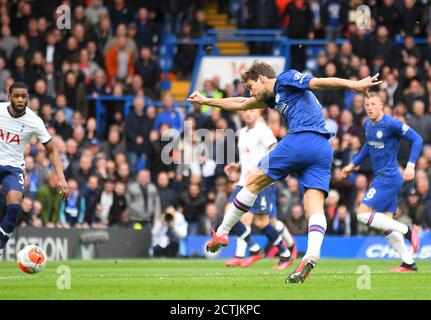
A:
364, 71
118, 89
85, 163
91, 125
346, 49
331, 49
93, 183
79, 13
143, 14
358, 102
5, 31
322, 60
71, 79
114, 136
297, 212
145, 53
52, 180
418, 108
40, 87
409, 3
415, 86
72, 44
410, 72
334, 111
29, 163
422, 163
144, 177
292, 185
200, 16
47, 111
382, 33
151, 112
168, 101
154, 136
122, 42
361, 182
99, 78
194, 190
120, 158
342, 212
346, 118
162, 180
120, 188
221, 184
330, 70
251, 116
37, 207
26, 204
71, 147
108, 186
138, 105
110, 166
105, 24
35, 104
373, 107
427, 153
124, 218
333, 198
83, 56
422, 186
400, 109
355, 143
195, 179
78, 119
79, 134
123, 171
20, 62
59, 116
73, 186
211, 211
79, 32
137, 82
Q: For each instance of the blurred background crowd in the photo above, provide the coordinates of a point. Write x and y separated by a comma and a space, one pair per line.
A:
116, 176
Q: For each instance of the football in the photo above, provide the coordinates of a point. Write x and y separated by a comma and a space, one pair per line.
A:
31, 259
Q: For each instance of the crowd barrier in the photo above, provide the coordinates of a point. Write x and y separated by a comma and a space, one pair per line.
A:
63, 244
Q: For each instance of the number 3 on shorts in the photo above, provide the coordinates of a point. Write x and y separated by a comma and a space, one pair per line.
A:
21, 179
370, 194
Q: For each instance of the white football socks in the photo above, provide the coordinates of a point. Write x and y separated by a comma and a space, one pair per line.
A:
316, 233
396, 240
380, 221
285, 234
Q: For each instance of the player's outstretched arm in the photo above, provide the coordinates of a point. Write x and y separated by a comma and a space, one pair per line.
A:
230, 104
360, 86
415, 151
58, 168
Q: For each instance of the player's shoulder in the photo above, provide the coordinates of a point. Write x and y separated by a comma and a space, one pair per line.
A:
3, 106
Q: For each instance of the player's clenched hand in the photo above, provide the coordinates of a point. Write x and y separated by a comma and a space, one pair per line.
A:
409, 173
347, 170
362, 86
196, 97
64, 188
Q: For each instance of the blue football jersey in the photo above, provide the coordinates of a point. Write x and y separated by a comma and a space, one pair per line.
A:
299, 106
383, 142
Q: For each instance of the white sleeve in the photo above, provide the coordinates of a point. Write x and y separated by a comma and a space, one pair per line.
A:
267, 136
41, 132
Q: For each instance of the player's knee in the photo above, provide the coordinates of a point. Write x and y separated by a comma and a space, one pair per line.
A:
363, 209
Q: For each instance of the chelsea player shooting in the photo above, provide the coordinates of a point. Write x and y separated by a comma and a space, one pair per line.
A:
305, 150
382, 140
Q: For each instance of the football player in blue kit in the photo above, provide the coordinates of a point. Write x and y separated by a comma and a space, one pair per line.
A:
305, 150
382, 140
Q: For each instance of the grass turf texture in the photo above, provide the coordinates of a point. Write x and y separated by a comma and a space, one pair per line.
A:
209, 279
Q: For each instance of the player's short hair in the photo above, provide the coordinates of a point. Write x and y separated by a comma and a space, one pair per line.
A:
373, 94
258, 68
17, 85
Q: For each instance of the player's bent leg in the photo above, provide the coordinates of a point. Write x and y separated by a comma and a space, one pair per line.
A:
243, 201
313, 205
396, 240
380, 221
13, 212
263, 224
286, 235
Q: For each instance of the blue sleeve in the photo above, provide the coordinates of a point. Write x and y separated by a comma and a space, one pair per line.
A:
81, 211
62, 212
361, 155
294, 78
404, 131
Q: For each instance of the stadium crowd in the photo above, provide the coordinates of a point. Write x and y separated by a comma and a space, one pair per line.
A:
117, 179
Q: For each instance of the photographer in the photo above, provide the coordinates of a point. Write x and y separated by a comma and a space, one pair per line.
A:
167, 233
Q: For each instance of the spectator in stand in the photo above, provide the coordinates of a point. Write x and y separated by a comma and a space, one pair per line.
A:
143, 201
347, 126
72, 210
341, 224
92, 197
296, 222
212, 219
200, 25
50, 199
121, 12
167, 195
193, 207
74, 92
149, 70
94, 11
114, 144
119, 203
186, 54
420, 121
171, 115
105, 204
34, 181
119, 62
148, 34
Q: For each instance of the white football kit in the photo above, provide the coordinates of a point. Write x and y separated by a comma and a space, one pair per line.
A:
15, 133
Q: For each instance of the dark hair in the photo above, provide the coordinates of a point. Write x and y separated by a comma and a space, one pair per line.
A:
17, 85
258, 68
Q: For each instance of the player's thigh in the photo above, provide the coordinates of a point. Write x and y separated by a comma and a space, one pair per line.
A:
13, 187
257, 181
382, 195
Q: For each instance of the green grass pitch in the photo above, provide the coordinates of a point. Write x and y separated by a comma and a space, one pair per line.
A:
202, 279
